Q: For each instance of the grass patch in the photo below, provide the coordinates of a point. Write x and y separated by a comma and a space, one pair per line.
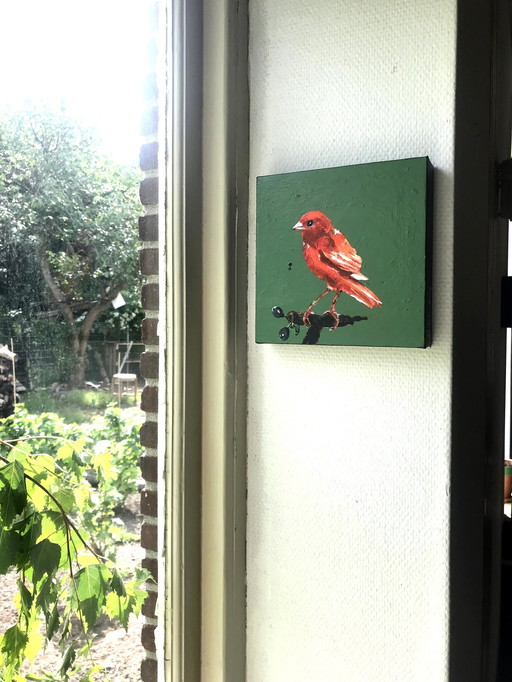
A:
76, 406
98, 399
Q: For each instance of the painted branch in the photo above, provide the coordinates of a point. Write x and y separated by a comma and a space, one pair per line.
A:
319, 322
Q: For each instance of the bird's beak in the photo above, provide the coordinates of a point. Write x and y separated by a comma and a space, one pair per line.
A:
298, 226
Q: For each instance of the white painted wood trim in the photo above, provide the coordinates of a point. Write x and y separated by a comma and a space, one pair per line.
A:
205, 291
183, 342
225, 162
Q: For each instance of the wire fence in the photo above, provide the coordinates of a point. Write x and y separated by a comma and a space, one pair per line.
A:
43, 361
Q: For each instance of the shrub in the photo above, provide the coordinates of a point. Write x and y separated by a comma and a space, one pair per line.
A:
52, 522
108, 447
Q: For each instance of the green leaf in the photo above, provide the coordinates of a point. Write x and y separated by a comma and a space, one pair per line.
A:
20, 451
65, 498
13, 496
47, 597
34, 644
45, 559
13, 475
65, 629
26, 599
90, 674
91, 583
82, 494
40, 466
53, 527
103, 461
52, 623
14, 641
10, 544
117, 583
28, 525
67, 659
65, 451
119, 608
76, 464
29, 531
37, 495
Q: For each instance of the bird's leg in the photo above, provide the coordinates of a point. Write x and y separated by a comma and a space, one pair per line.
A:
306, 315
332, 311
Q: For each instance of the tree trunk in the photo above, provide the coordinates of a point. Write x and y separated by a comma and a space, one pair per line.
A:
80, 338
77, 376
79, 334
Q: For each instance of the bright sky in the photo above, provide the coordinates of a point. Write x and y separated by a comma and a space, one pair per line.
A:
86, 56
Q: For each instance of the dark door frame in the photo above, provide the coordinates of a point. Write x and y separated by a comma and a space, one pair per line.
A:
482, 141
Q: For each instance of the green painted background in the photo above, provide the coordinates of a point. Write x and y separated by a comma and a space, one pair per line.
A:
382, 209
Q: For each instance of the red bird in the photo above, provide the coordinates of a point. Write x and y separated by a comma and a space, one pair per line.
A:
330, 257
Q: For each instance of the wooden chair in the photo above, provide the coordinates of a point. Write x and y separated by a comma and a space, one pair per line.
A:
126, 384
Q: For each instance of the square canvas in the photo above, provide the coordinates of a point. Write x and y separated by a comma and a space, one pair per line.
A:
343, 255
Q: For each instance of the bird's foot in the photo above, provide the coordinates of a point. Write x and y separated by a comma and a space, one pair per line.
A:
305, 318
335, 317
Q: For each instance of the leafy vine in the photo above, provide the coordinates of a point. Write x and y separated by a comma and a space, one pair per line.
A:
62, 579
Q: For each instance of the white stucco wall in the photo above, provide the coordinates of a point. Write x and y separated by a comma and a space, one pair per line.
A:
347, 547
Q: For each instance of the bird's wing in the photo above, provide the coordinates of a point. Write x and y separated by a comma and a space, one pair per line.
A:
337, 250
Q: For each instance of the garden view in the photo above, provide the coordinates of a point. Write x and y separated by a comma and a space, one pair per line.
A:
69, 446
71, 104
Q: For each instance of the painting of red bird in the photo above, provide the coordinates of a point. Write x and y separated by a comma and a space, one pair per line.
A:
330, 256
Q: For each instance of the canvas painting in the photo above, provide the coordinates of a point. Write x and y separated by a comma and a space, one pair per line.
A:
343, 255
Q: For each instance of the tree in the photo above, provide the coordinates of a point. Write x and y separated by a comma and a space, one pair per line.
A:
68, 213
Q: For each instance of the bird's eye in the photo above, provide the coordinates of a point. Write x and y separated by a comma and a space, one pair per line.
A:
309, 223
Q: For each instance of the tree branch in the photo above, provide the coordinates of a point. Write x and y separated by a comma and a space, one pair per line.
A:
53, 286
65, 518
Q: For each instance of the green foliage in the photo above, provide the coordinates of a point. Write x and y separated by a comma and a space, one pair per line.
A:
68, 218
61, 576
59, 193
88, 398
76, 406
113, 441
106, 450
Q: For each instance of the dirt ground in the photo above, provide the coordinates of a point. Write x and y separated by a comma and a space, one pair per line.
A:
118, 651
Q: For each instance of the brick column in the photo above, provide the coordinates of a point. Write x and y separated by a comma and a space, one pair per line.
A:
148, 232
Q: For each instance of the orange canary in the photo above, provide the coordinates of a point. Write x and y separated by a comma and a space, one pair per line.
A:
329, 256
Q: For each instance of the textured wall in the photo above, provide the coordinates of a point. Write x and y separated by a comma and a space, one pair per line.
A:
148, 231
348, 453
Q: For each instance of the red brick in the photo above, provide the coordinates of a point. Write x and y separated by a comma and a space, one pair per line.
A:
148, 434
151, 565
149, 503
147, 637
149, 670
149, 333
149, 537
148, 259
148, 228
149, 365
148, 191
149, 296
149, 468
149, 606
148, 156
149, 400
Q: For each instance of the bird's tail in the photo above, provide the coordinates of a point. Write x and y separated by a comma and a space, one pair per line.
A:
361, 293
